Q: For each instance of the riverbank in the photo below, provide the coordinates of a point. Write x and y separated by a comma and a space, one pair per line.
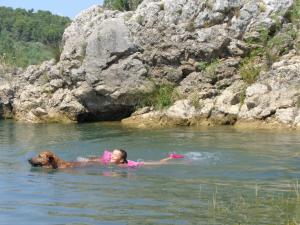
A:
162, 121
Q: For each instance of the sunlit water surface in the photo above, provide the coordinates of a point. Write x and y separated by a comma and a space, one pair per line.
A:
228, 176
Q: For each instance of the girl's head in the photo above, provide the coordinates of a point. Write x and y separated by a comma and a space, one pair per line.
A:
119, 156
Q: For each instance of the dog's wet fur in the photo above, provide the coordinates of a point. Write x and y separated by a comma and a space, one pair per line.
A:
47, 159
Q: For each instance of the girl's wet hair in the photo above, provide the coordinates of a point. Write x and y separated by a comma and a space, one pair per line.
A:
124, 155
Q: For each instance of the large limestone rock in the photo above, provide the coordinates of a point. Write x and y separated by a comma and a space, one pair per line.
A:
276, 94
109, 58
271, 102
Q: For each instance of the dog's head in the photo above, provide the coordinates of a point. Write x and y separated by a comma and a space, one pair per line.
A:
46, 159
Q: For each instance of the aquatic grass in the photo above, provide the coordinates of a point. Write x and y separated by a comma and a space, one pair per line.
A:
297, 190
234, 203
214, 198
256, 190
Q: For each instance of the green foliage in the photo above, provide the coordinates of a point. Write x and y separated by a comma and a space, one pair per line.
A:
294, 17
22, 53
29, 26
294, 14
249, 70
28, 37
271, 56
264, 36
262, 39
122, 5
273, 44
200, 66
275, 47
278, 23
281, 38
278, 42
211, 69
161, 97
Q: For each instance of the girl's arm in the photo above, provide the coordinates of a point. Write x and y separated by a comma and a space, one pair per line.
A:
154, 163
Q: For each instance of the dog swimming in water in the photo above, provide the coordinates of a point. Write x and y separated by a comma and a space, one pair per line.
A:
118, 157
47, 159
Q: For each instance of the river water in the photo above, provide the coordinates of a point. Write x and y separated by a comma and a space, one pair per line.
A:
228, 176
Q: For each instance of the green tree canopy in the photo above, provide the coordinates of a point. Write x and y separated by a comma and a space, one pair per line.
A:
27, 37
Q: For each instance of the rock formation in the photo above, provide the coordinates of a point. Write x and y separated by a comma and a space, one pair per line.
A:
110, 59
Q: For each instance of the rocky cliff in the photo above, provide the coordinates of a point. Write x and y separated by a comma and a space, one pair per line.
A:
229, 61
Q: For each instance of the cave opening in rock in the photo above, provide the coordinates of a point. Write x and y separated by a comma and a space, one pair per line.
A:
111, 115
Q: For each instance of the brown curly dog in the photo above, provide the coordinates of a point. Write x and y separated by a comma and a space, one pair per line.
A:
48, 159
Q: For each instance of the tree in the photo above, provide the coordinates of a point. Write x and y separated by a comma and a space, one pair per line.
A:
28, 37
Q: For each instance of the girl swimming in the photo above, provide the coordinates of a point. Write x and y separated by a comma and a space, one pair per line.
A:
119, 158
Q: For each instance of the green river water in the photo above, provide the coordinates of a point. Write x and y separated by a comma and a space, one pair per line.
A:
228, 176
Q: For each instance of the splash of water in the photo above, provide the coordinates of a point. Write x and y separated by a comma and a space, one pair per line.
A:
202, 156
82, 159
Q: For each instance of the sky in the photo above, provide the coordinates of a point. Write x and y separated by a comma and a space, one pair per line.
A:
68, 8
